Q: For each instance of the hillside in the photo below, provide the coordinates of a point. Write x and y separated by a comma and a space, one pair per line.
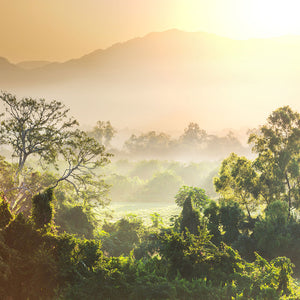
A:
169, 78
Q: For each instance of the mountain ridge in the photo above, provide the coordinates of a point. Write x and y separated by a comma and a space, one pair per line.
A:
171, 76
118, 45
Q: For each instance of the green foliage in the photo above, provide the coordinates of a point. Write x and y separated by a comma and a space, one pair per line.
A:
190, 218
148, 143
156, 220
181, 253
133, 181
19, 234
5, 213
162, 186
83, 155
74, 220
278, 147
38, 129
6, 179
277, 234
197, 195
124, 188
34, 127
145, 169
231, 217
42, 208
28, 269
122, 236
238, 180
36, 265
194, 260
193, 134
275, 173
103, 132
193, 143
212, 213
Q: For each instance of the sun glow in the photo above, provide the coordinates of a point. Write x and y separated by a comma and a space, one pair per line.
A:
267, 18
240, 19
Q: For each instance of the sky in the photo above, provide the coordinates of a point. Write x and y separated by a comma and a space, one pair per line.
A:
58, 30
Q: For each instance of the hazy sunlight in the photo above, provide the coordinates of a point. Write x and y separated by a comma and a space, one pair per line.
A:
268, 18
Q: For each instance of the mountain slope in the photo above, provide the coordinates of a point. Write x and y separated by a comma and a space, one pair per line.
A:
170, 78
30, 65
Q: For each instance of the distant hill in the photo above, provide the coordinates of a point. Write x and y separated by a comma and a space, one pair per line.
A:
7, 67
167, 79
29, 65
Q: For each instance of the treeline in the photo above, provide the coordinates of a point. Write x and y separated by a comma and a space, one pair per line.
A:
194, 144
53, 247
156, 180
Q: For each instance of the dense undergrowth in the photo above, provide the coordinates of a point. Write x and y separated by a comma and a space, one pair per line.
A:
245, 245
36, 262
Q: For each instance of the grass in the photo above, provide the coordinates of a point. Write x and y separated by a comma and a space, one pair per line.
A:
143, 210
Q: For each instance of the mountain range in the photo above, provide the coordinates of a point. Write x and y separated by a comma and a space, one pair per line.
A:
165, 80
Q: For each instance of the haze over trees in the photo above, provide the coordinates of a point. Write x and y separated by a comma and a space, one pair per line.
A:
242, 244
275, 173
278, 147
195, 143
103, 132
36, 128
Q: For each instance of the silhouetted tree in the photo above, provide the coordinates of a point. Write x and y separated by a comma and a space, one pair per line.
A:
190, 218
42, 210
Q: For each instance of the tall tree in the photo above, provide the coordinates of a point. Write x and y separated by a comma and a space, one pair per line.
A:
278, 146
238, 181
148, 143
103, 132
193, 134
190, 218
36, 127
33, 126
197, 195
82, 155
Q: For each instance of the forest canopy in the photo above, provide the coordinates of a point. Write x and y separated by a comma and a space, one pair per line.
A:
241, 242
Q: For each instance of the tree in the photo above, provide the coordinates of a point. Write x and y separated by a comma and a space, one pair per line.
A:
37, 128
103, 132
221, 145
277, 234
212, 213
238, 181
161, 186
156, 219
42, 211
74, 220
190, 218
33, 126
5, 214
122, 236
198, 196
193, 134
81, 154
33, 183
231, 217
278, 146
19, 197
7, 171
148, 143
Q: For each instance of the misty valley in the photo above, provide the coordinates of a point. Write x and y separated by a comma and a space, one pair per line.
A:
197, 215
149, 150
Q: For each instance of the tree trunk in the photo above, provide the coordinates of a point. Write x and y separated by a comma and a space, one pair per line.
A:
289, 194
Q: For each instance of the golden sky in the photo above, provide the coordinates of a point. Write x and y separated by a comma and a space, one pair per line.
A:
64, 29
